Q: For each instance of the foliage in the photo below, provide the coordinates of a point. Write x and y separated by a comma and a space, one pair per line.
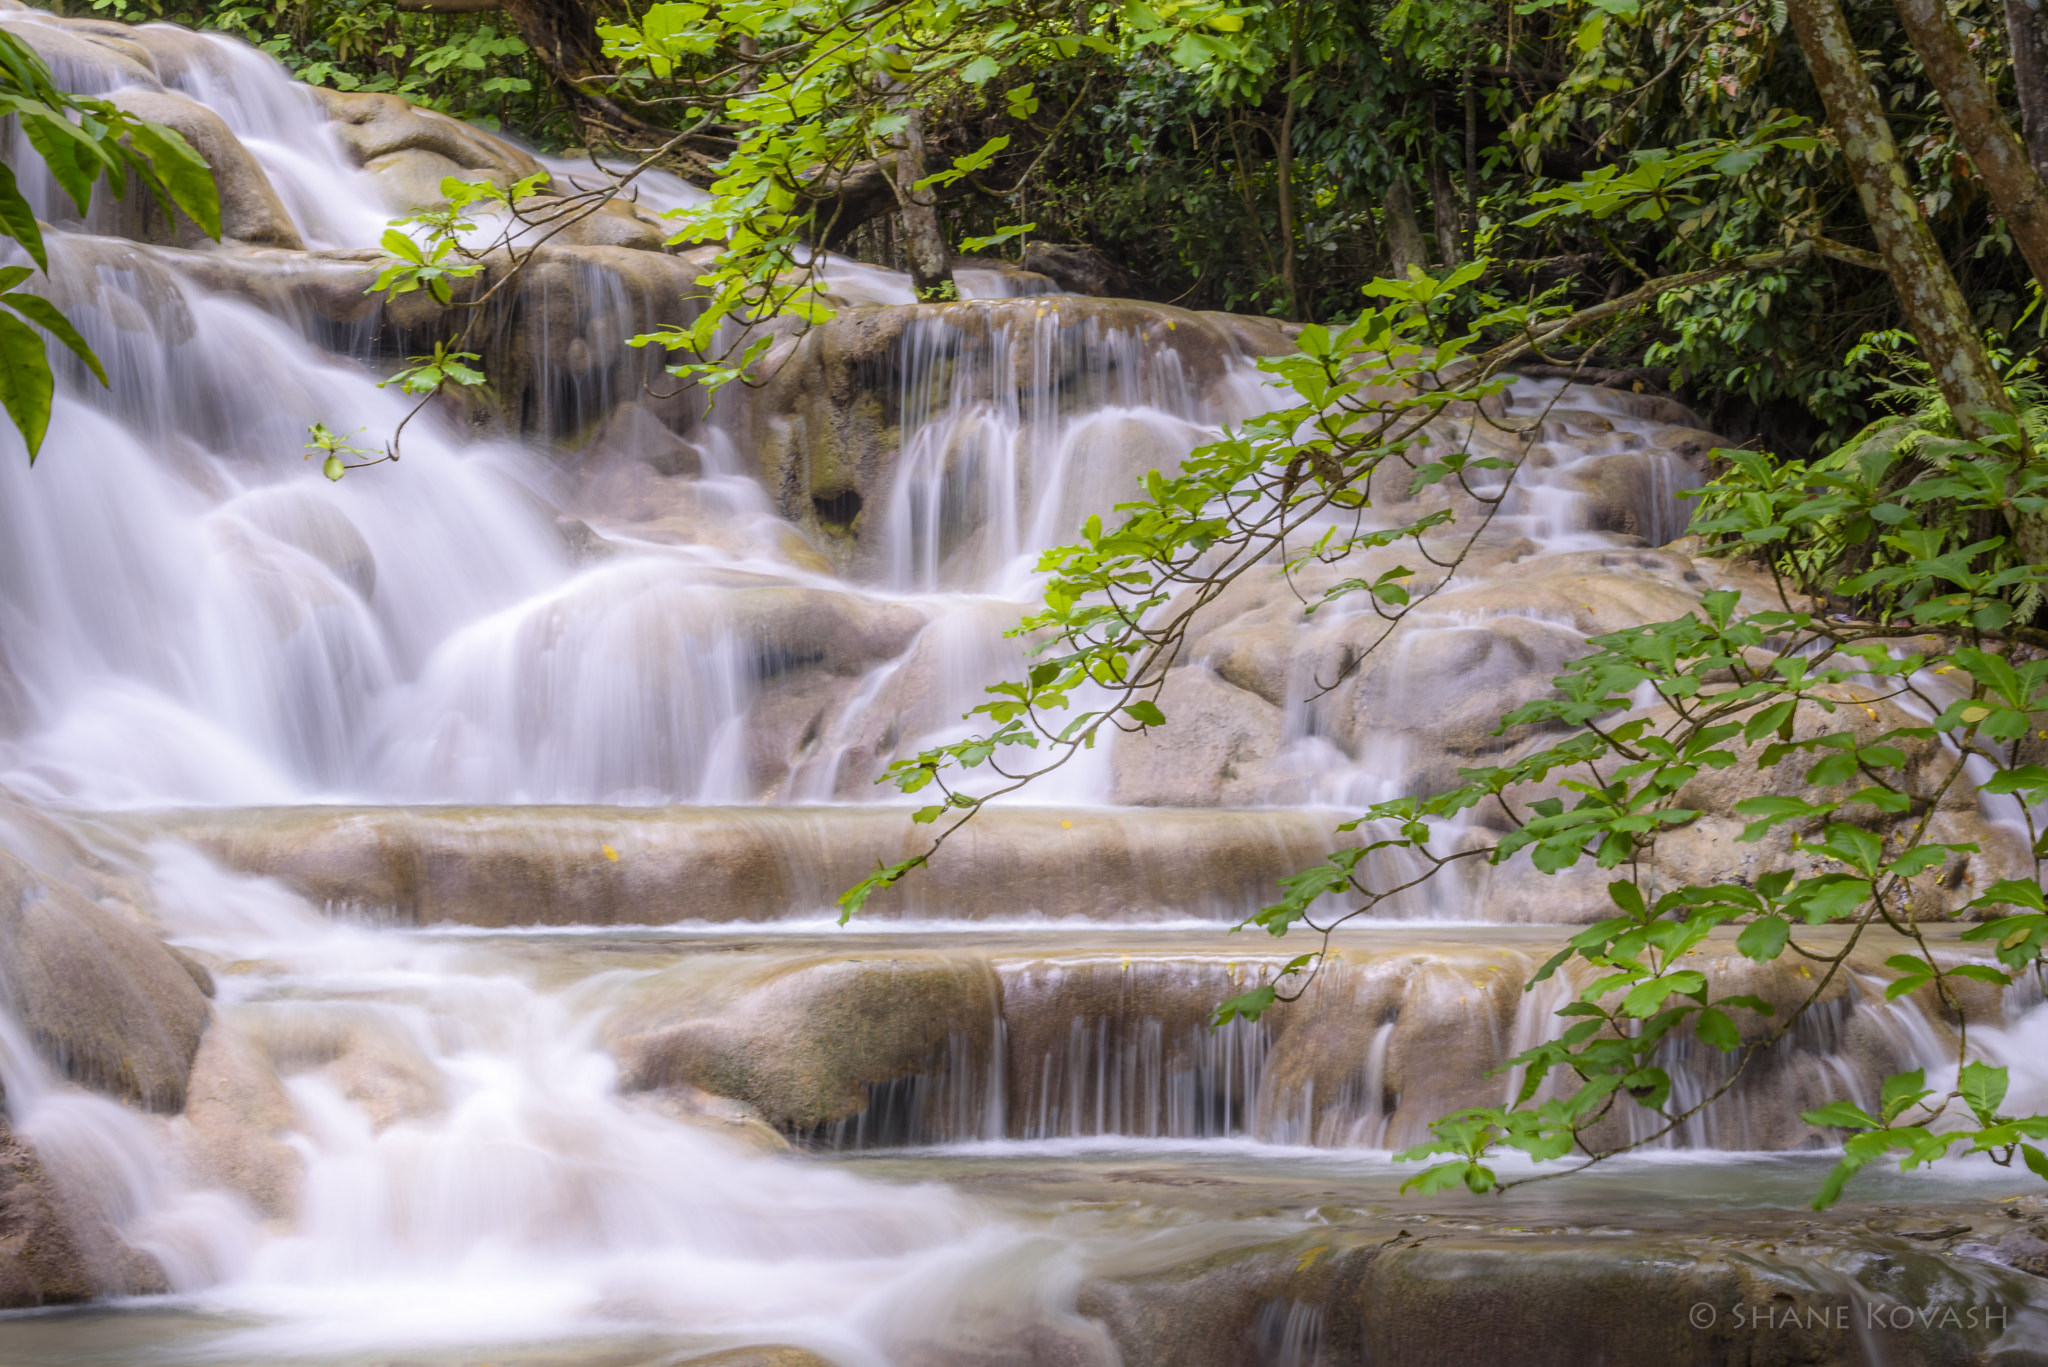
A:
82, 141
468, 65
1736, 686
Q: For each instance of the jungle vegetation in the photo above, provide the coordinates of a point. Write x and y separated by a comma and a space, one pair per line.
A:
1821, 222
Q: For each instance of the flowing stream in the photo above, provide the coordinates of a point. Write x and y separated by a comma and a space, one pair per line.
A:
496, 789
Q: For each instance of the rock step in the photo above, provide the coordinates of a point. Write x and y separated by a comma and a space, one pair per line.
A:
610, 866
865, 1041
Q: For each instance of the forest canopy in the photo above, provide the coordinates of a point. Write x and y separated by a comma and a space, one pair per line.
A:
1271, 157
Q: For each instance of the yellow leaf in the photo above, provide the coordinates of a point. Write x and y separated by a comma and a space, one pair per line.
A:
1975, 714
1224, 23
611, 854
1302, 1264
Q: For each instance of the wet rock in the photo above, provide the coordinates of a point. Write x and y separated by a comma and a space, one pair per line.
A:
374, 125
802, 1044
1078, 268
85, 62
546, 865
410, 178
770, 1356
1382, 1045
53, 1249
632, 432
237, 1114
826, 427
791, 627
1423, 1295
368, 1052
1636, 494
40, 1262
302, 519
106, 1003
1216, 749
2024, 1249
250, 211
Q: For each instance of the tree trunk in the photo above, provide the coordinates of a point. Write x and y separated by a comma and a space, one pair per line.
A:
1404, 233
1933, 303
1284, 172
1443, 207
1471, 158
931, 264
2028, 34
2000, 159
563, 36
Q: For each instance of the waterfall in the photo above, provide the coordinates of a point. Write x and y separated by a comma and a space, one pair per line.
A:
496, 800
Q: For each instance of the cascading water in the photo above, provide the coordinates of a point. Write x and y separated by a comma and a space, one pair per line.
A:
549, 1102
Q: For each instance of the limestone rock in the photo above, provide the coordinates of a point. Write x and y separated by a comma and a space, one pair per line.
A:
1215, 750
236, 1114
250, 211
40, 1262
85, 62
489, 866
364, 1050
773, 1355
302, 519
803, 1043
374, 125
826, 427
106, 1003
52, 1252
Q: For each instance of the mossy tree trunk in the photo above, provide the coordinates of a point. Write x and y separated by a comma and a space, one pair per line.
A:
2000, 158
2027, 31
924, 242
1932, 301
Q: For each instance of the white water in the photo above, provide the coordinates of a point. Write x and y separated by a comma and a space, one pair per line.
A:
189, 614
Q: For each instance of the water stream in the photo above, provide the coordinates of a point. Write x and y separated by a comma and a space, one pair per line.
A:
487, 786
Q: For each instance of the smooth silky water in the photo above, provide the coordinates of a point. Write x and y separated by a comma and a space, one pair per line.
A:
195, 626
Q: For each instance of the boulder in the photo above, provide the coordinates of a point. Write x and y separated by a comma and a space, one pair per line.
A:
41, 1262
301, 518
806, 1044
237, 1115
365, 1050
106, 1003
250, 211
374, 126
1216, 750
86, 62
51, 1251
1078, 268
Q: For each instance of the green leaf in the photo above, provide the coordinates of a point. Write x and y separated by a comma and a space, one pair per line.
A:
182, 172
1245, 1006
1840, 1115
1983, 1089
2037, 1162
333, 468
1764, 940
1714, 1027
1445, 1176
1145, 713
18, 220
26, 386
1902, 1090
41, 311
